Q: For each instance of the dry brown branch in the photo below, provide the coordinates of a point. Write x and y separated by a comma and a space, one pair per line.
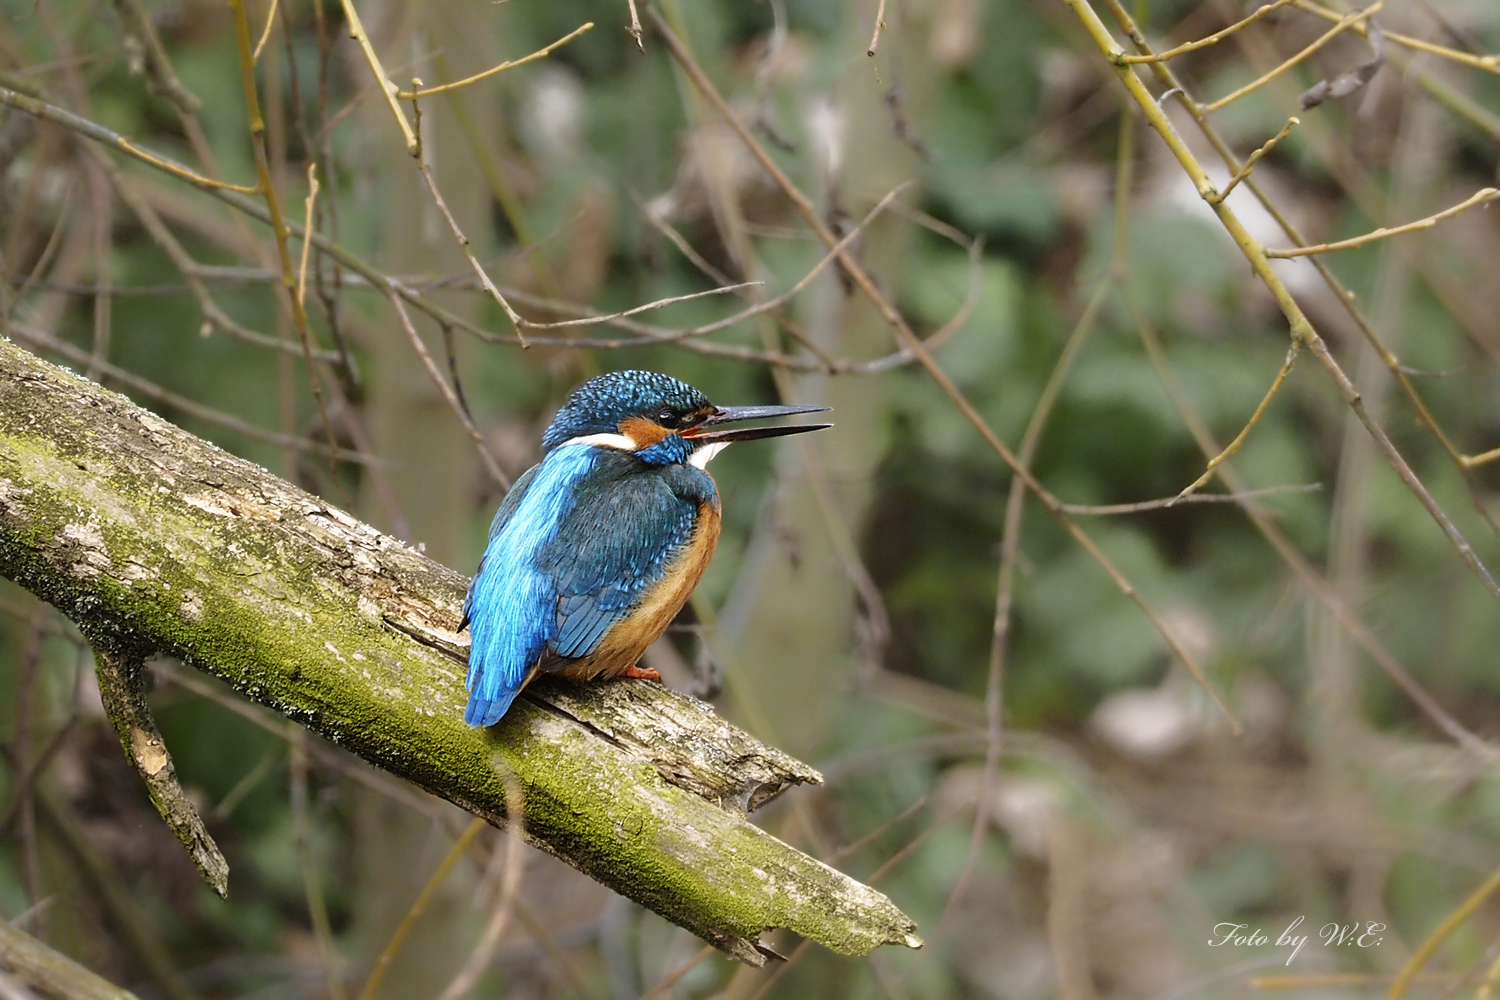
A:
198, 411
1301, 329
123, 692
909, 340
1480, 197
1445, 288
1208, 40
449, 395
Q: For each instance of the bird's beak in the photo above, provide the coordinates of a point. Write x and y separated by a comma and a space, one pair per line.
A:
734, 414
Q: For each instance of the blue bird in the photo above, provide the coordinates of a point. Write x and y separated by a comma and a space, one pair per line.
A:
597, 547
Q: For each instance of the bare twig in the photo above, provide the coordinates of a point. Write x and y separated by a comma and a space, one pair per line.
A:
1214, 39
1252, 160
468, 976
542, 53
454, 403
1487, 63
879, 23
912, 342
418, 907
358, 33
266, 34
1480, 197
156, 393
1343, 24
1301, 329
635, 26
312, 886
122, 689
1239, 440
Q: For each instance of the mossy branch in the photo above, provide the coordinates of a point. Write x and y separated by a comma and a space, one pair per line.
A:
154, 541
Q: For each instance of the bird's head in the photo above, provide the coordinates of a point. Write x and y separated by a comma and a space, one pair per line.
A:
660, 419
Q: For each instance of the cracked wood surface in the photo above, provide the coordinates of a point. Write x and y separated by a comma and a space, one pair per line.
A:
155, 541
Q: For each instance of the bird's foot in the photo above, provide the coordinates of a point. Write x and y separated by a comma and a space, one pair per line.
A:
641, 673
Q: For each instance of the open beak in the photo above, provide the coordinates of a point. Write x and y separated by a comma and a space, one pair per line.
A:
734, 414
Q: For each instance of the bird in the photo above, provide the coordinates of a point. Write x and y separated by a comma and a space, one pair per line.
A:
598, 546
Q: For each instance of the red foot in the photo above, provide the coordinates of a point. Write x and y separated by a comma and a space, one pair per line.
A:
641, 673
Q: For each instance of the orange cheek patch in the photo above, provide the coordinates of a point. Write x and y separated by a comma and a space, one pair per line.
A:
642, 431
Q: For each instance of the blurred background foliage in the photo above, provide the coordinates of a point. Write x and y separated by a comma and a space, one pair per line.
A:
851, 611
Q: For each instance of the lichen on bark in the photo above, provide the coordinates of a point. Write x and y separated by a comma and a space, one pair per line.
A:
154, 541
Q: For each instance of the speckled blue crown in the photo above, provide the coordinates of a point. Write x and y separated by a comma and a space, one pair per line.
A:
598, 406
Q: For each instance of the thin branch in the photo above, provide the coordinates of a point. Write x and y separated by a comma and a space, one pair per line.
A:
307, 226
458, 233
266, 34
635, 26
122, 690
1301, 329
1250, 162
1239, 439
358, 33
1487, 63
910, 340
1480, 197
312, 887
1452, 922
542, 53
879, 23
177, 170
267, 189
1202, 43
165, 397
648, 307
454, 403
418, 907
1166, 503
1344, 24
467, 977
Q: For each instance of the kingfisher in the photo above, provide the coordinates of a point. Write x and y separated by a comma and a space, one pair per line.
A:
598, 546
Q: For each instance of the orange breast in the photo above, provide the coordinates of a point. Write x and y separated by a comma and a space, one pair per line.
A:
623, 645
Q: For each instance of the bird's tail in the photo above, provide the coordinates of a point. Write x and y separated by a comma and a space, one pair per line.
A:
486, 711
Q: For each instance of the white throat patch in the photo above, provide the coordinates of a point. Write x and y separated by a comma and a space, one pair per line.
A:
704, 454
619, 441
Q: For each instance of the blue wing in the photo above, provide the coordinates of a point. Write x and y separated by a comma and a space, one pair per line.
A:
576, 545
511, 606
616, 543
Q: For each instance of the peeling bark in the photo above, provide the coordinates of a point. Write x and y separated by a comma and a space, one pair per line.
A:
154, 541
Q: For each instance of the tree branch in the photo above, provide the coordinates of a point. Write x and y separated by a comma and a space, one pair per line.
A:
154, 541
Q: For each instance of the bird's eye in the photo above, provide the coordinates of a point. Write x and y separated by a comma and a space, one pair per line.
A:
668, 419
